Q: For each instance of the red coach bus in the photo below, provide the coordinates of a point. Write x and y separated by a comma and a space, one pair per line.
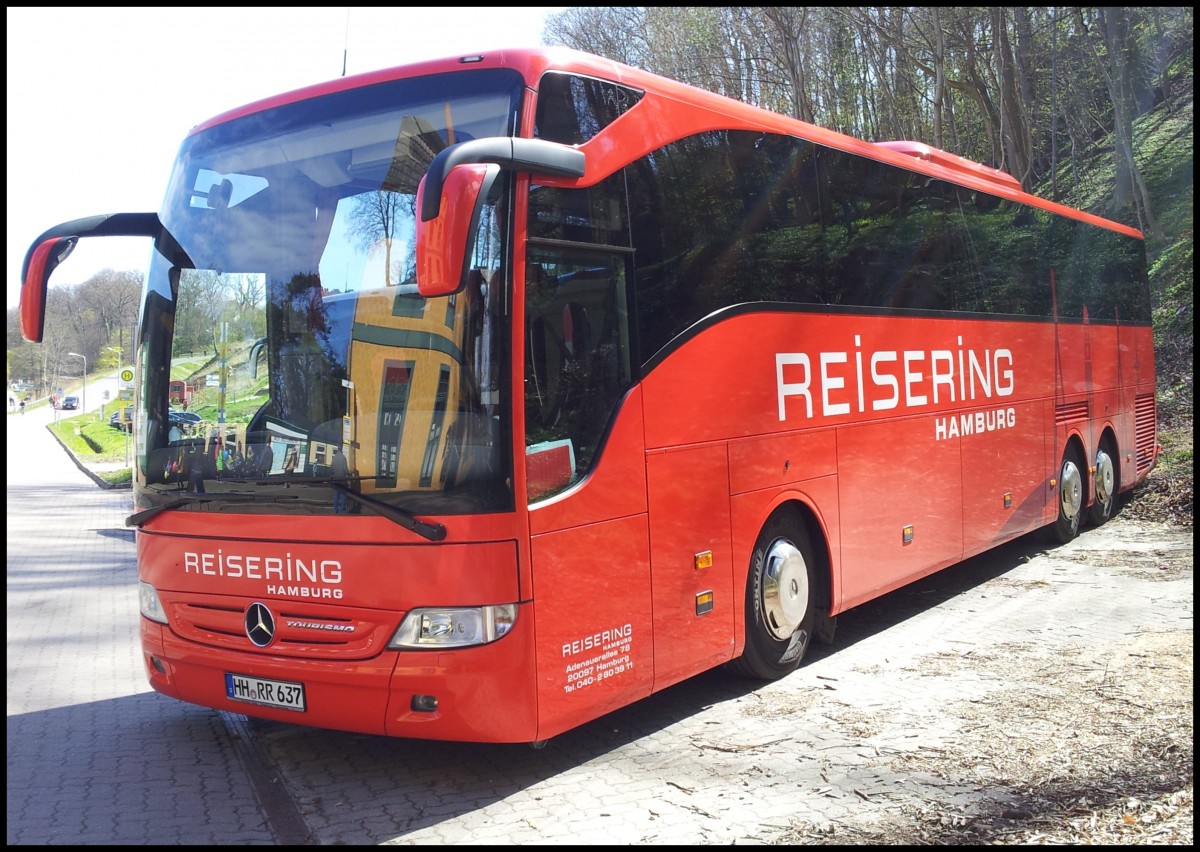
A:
548, 383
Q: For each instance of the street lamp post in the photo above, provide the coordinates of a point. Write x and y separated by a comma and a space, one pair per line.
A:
83, 393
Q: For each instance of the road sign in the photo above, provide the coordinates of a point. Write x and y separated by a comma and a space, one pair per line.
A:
127, 374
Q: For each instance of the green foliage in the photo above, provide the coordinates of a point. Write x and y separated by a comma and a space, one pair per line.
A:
1177, 454
236, 411
96, 445
92, 440
1165, 156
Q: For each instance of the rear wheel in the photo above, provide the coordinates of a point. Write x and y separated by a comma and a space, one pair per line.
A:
780, 602
1105, 504
1070, 495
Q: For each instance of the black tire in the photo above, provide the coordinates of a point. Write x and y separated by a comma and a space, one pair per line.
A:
1108, 478
1070, 495
781, 609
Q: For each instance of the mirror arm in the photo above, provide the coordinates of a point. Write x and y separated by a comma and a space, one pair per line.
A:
108, 225
533, 155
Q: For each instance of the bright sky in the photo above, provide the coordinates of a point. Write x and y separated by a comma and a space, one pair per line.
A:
100, 99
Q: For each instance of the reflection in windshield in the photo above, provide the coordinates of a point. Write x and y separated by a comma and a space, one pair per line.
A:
294, 333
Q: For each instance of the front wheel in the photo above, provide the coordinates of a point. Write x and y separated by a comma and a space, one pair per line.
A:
780, 601
1071, 490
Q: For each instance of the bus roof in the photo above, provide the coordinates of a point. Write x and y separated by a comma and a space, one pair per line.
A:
712, 112
954, 162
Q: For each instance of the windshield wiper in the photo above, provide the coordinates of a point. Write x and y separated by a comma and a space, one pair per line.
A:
139, 518
406, 519
433, 532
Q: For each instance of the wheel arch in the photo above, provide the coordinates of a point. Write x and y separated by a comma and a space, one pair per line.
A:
816, 526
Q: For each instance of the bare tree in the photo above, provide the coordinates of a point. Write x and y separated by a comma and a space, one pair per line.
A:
1129, 187
1013, 130
113, 298
616, 32
788, 25
247, 292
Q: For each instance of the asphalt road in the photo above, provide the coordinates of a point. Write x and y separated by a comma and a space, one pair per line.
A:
95, 757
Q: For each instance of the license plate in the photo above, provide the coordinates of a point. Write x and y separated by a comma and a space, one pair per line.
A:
270, 693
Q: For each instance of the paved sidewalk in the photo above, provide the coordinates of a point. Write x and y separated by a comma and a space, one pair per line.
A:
95, 757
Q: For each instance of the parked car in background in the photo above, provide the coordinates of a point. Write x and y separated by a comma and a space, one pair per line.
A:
69, 403
122, 418
184, 418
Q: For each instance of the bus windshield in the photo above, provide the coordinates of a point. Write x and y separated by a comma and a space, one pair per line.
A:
284, 343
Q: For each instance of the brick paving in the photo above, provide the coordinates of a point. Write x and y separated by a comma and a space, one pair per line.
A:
94, 756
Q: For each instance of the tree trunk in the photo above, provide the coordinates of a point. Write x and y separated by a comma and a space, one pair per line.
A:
1014, 130
1130, 189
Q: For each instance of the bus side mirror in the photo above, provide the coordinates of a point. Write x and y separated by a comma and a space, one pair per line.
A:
446, 242
53, 247
451, 196
43, 258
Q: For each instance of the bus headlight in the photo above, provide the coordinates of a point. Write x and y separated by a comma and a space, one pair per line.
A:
453, 627
149, 603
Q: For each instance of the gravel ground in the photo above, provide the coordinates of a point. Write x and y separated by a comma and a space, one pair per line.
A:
1076, 742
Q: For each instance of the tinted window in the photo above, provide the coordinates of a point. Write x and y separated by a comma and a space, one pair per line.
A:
573, 109
729, 217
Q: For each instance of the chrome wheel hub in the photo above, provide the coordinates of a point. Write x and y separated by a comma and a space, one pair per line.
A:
1071, 490
1105, 477
784, 588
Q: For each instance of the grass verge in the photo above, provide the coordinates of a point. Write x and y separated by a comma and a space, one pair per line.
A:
97, 446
